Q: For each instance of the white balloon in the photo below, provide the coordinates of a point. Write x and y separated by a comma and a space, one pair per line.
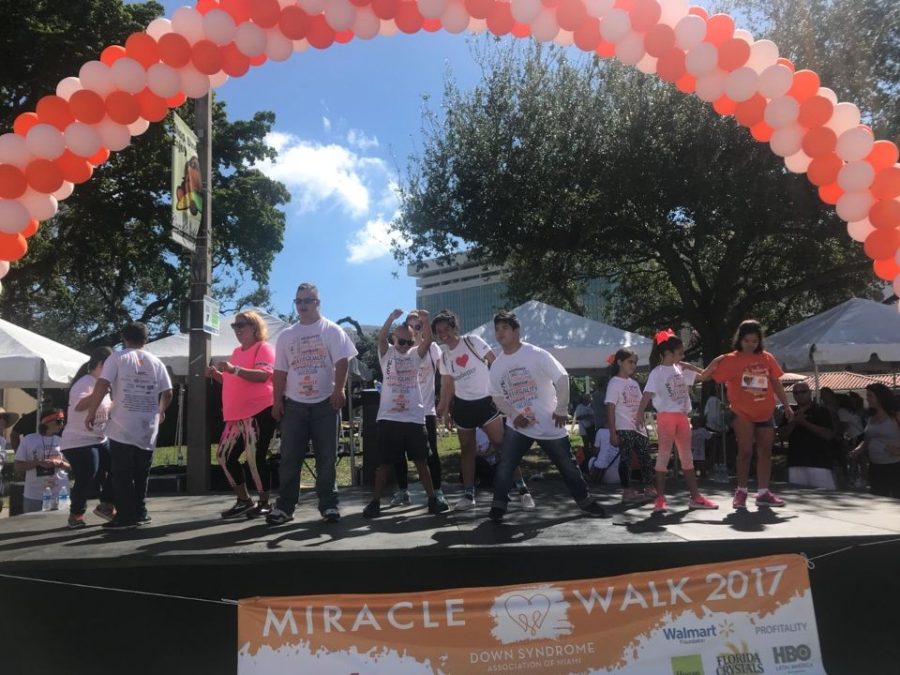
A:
195, 83
286, 3
741, 84
219, 26
159, 27
188, 22
129, 75
775, 81
4, 268
524, 11
595, 8
430, 9
313, 7
138, 127
45, 141
763, 54
250, 39
163, 80
712, 85
544, 28
673, 11
853, 206
630, 49
82, 139
14, 150
366, 24
781, 112
828, 94
339, 14
278, 47
455, 19
303, 45
389, 27
845, 116
689, 32
787, 141
647, 65
476, 25
615, 25
115, 136
854, 144
860, 230
14, 216
97, 77
798, 162
65, 191
744, 35
67, 87
856, 176
564, 38
218, 79
40, 206
702, 59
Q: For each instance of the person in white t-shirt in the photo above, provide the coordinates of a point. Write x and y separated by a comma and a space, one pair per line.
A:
401, 410
531, 388
141, 392
87, 450
7, 419
623, 396
669, 388
312, 359
40, 457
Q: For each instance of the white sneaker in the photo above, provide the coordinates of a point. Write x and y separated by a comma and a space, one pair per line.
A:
400, 498
527, 500
465, 503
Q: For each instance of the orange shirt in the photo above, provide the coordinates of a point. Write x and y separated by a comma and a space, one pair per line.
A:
749, 381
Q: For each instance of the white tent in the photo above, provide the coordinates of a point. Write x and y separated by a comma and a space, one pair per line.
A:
580, 344
29, 360
855, 333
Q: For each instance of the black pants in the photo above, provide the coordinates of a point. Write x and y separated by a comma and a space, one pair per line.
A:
130, 470
252, 436
91, 471
401, 469
885, 479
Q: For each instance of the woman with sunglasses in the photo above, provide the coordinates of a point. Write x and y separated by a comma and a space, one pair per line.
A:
40, 457
246, 381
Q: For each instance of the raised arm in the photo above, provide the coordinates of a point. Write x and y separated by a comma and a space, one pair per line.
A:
427, 337
386, 331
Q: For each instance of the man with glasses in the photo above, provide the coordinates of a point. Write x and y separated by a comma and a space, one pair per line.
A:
311, 362
810, 436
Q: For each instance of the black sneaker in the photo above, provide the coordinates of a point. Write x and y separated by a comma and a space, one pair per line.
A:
278, 517
116, 524
144, 519
259, 510
595, 509
239, 509
331, 515
373, 509
436, 506
496, 514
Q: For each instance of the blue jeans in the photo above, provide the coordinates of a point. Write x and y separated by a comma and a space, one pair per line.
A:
559, 450
91, 471
131, 471
302, 423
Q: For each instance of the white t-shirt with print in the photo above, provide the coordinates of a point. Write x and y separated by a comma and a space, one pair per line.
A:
625, 394
426, 377
136, 378
35, 448
467, 367
525, 379
307, 353
401, 395
670, 387
76, 435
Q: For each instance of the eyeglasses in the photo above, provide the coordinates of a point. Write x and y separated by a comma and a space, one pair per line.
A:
405, 343
306, 301
416, 326
240, 324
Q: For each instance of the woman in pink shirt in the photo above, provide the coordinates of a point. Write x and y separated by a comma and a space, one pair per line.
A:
247, 410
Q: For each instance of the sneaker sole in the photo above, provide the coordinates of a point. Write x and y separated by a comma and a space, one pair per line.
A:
698, 507
104, 516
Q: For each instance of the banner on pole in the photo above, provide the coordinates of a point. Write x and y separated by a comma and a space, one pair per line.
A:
187, 195
731, 618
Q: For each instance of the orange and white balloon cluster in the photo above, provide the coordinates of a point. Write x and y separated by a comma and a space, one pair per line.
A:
58, 145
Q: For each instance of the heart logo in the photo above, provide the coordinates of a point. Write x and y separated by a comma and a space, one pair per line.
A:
528, 613
462, 360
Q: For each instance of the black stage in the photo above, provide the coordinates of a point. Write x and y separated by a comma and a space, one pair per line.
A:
188, 551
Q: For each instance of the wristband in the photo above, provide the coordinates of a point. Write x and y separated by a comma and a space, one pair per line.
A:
237, 369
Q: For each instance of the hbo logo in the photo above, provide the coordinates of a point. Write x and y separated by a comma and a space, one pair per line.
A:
792, 654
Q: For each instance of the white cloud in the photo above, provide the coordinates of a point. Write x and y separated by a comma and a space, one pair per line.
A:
326, 123
373, 241
358, 139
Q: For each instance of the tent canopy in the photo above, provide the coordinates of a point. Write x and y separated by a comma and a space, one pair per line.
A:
581, 345
855, 333
29, 360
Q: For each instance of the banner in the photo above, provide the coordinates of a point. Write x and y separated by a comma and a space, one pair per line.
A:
187, 196
733, 618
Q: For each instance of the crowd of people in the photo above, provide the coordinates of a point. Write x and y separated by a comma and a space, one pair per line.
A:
500, 404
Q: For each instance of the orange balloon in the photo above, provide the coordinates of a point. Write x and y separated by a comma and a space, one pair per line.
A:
523, 30
176, 100
750, 112
12, 247
586, 36
644, 15
319, 34
387, 9
74, 169
886, 268
762, 132
883, 155
819, 142
831, 193
824, 169
882, 243
12, 182
724, 106
207, 57
122, 107
478, 9
606, 50
112, 54
670, 65
153, 108
787, 63
204, 6
99, 157
174, 50
409, 19
887, 183
260, 59
30, 229
806, 84
733, 53
87, 106
265, 13
43, 175
500, 21
699, 11
619, 4
885, 214
55, 111
142, 48
234, 63
719, 28
24, 122
659, 40
293, 22
239, 9
342, 37
571, 14
686, 84
815, 111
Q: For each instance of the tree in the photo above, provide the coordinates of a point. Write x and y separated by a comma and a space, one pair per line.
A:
107, 258
569, 169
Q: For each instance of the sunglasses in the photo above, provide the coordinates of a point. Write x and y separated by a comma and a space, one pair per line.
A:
306, 301
416, 326
240, 324
404, 343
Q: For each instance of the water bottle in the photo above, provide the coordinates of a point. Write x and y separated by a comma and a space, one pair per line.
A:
47, 499
64, 498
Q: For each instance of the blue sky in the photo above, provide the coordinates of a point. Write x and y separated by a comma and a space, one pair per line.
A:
347, 118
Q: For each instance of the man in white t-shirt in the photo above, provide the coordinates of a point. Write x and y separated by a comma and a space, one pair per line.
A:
141, 391
531, 388
312, 358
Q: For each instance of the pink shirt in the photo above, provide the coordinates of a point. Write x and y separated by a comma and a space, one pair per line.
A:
241, 398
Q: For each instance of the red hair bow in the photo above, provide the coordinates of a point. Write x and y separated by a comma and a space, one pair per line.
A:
611, 359
664, 335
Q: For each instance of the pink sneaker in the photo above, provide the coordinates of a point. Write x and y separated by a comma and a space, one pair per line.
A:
660, 506
701, 502
768, 498
740, 499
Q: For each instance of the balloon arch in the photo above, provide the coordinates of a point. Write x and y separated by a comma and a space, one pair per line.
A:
70, 132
